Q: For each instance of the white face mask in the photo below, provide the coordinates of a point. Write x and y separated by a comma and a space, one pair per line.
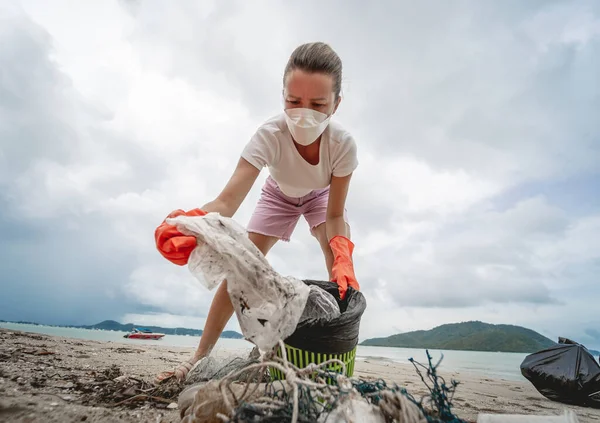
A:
306, 125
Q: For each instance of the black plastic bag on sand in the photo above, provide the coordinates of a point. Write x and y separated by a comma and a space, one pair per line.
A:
566, 373
331, 336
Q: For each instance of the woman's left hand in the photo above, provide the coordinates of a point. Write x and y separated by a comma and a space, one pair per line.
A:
343, 268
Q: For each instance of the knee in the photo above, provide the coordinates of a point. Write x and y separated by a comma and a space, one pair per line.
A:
320, 232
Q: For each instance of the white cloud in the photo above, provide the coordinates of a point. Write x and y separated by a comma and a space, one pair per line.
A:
173, 291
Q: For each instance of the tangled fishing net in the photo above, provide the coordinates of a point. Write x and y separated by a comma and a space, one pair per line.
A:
305, 396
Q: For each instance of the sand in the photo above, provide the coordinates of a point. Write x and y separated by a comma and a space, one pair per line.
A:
53, 379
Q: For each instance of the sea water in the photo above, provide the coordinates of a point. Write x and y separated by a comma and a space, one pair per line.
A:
497, 365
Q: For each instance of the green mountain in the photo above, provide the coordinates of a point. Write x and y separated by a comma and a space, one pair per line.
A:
472, 336
112, 325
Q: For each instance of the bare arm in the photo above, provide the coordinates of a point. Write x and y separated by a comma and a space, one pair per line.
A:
236, 190
338, 191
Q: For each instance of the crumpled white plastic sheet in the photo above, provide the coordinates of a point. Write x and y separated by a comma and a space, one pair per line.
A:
321, 305
268, 306
568, 416
354, 410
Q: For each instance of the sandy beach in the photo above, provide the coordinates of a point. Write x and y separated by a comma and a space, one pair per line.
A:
53, 379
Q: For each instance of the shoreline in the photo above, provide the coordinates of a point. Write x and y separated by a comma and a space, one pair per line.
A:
395, 354
227, 337
45, 378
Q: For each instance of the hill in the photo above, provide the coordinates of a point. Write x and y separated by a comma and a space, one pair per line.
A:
112, 325
471, 336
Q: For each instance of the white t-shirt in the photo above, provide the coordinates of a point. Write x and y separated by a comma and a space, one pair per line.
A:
272, 146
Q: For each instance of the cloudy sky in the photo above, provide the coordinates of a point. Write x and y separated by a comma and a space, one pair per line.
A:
478, 190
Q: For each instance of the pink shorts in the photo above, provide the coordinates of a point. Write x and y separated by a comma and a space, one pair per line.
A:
276, 214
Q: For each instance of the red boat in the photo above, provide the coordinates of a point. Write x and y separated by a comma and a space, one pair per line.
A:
142, 333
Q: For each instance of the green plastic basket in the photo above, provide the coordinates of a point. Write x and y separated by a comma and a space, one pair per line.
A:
301, 358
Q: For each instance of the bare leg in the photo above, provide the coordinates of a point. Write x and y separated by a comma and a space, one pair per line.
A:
219, 314
321, 235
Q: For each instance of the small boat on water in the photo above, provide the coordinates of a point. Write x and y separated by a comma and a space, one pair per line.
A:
143, 333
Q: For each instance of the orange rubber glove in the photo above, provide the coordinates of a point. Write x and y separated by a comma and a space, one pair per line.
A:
172, 244
343, 268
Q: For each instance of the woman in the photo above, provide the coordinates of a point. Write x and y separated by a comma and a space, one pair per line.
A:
310, 159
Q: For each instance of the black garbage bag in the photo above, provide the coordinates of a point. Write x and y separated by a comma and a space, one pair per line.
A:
336, 336
566, 373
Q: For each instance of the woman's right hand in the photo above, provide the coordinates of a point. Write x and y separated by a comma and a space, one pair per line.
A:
176, 247
172, 244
